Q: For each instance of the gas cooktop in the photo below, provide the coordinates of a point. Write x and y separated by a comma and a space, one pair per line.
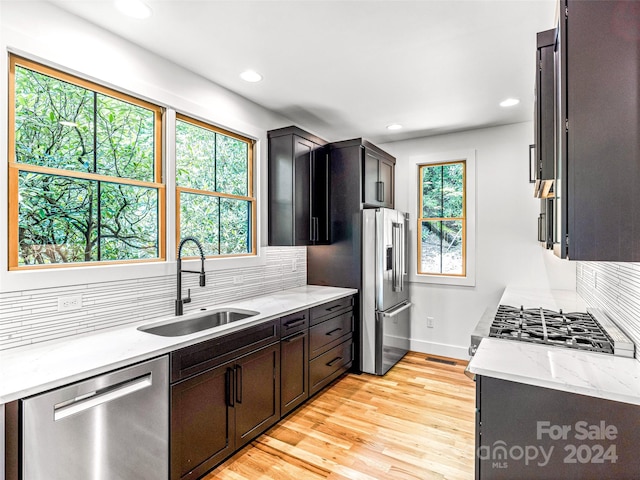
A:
589, 331
538, 325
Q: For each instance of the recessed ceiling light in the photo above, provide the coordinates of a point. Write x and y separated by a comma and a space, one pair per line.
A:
394, 126
133, 8
509, 102
250, 76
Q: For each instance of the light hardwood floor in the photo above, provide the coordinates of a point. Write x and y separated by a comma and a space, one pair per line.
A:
416, 422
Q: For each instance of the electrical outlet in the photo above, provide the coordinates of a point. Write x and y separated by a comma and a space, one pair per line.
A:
238, 280
294, 265
430, 322
72, 302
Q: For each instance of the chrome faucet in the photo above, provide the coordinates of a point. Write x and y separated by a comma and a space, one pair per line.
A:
181, 301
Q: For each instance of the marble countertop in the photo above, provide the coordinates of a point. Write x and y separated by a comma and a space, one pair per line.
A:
594, 374
36, 368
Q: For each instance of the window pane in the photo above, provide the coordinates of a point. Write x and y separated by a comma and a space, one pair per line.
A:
234, 226
128, 222
431, 192
199, 219
452, 190
56, 219
125, 134
232, 162
53, 122
195, 157
441, 247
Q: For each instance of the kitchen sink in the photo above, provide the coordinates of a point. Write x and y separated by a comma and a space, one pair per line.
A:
210, 319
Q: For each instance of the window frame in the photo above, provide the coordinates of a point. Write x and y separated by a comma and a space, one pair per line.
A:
14, 168
469, 156
250, 197
462, 219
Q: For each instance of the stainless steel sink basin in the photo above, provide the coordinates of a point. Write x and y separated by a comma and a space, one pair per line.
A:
209, 319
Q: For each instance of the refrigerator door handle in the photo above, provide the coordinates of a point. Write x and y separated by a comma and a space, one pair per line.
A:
397, 266
397, 311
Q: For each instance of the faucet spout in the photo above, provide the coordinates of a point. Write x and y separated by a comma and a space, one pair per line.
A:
179, 300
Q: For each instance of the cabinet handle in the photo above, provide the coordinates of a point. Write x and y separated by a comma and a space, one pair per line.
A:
229, 386
334, 307
294, 323
332, 362
333, 331
238, 384
294, 337
314, 229
380, 191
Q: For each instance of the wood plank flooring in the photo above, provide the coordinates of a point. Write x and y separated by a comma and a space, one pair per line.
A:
416, 422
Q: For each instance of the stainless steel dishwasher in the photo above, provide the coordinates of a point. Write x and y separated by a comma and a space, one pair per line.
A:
111, 427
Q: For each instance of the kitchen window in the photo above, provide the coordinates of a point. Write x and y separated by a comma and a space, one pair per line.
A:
442, 221
443, 249
215, 202
85, 172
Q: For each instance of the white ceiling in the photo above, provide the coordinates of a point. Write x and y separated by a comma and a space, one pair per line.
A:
344, 69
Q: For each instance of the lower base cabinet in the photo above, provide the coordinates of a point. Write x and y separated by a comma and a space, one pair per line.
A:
228, 390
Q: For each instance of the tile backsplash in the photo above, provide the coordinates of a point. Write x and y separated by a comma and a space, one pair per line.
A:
32, 316
615, 289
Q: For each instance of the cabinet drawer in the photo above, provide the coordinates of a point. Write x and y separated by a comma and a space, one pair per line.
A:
321, 312
327, 334
294, 323
330, 365
210, 353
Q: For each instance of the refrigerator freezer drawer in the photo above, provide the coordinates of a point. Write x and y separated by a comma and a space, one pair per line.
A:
392, 336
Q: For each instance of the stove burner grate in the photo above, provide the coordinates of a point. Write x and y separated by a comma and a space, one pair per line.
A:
538, 325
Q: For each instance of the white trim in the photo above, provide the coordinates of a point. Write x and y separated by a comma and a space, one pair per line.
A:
469, 156
440, 349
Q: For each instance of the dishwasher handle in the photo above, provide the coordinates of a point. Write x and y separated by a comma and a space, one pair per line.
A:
85, 402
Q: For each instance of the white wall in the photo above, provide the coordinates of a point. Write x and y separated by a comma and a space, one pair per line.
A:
46, 33
506, 249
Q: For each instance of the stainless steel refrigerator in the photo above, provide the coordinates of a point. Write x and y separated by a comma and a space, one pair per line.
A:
385, 304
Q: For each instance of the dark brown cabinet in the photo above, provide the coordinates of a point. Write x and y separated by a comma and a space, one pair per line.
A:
226, 392
330, 342
294, 361
299, 193
597, 198
377, 178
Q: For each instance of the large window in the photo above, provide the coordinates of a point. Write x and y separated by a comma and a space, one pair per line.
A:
442, 219
85, 173
214, 189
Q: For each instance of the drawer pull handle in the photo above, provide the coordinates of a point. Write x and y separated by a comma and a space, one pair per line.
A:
334, 307
333, 331
238, 384
295, 323
294, 337
332, 362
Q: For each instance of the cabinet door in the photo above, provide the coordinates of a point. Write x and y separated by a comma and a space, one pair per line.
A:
202, 420
257, 393
385, 179
294, 368
371, 188
303, 152
378, 180
320, 195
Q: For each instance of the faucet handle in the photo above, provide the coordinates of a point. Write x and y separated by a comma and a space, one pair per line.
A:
188, 299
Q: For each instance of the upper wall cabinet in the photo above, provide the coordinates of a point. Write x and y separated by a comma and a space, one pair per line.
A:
376, 170
598, 152
378, 178
298, 188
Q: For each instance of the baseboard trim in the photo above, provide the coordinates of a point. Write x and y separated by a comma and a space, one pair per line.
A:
440, 349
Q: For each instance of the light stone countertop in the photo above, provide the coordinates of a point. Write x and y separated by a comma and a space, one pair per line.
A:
29, 370
594, 374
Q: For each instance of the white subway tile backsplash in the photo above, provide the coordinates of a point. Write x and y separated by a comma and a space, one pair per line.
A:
32, 316
614, 288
